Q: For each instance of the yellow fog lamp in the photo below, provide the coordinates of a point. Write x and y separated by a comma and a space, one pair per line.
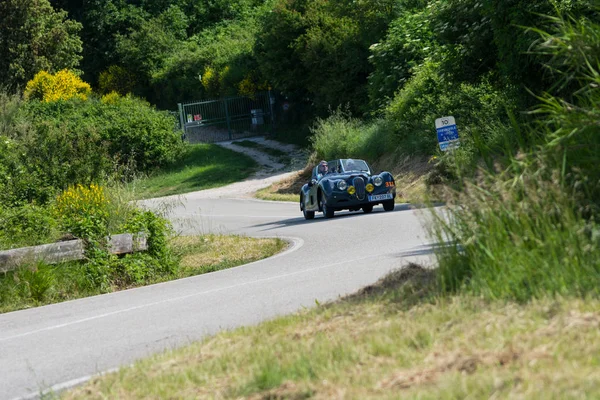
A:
370, 188
351, 190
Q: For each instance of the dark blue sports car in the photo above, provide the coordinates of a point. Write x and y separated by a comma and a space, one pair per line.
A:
346, 184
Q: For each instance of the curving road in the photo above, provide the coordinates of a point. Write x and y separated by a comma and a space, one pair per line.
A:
61, 345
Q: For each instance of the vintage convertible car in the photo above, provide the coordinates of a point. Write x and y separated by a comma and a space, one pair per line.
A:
348, 185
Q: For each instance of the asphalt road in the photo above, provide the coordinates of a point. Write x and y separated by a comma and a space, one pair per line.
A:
61, 345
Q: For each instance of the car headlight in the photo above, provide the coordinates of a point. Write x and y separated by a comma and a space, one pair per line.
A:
342, 185
378, 181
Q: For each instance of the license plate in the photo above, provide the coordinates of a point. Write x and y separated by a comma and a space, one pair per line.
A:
380, 197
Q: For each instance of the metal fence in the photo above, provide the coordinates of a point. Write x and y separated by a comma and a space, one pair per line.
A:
230, 118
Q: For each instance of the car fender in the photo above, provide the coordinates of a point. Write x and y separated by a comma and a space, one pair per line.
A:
326, 188
387, 176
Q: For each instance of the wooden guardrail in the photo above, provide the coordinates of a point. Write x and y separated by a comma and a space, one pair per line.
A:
67, 251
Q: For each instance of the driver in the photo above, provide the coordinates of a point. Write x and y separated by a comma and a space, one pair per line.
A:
323, 169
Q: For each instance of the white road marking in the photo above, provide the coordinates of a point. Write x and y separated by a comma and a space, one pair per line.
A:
236, 216
175, 299
297, 243
65, 385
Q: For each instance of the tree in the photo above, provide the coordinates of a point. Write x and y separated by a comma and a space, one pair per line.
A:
35, 37
318, 50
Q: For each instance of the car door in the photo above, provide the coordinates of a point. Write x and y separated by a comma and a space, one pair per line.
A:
312, 191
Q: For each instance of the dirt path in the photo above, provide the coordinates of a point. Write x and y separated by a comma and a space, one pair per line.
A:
272, 169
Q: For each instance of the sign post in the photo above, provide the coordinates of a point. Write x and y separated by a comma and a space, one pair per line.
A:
447, 133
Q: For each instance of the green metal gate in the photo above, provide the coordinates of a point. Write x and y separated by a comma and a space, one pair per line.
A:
231, 118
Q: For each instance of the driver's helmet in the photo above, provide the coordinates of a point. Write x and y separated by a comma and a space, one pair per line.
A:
350, 165
323, 167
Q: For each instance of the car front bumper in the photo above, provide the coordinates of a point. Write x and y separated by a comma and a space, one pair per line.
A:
343, 200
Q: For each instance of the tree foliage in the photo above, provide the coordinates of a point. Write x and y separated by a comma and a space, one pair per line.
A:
35, 37
318, 50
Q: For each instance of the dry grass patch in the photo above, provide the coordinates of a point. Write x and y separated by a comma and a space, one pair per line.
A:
377, 344
287, 189
410, 173
213, 252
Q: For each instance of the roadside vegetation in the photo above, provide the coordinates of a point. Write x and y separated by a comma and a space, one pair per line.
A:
199, 167
394, 339
37, 284
67, 160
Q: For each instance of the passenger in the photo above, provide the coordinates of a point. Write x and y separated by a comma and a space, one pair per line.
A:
350, 165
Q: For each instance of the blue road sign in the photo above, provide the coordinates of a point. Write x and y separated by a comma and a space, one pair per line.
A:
447, 133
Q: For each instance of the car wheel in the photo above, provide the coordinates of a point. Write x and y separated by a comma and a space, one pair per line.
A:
327, 211
389, 205
367, 209
307, 214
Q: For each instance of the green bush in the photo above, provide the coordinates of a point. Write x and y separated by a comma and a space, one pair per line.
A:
28, 225
45, 147
341, 136
134, 133
480, 111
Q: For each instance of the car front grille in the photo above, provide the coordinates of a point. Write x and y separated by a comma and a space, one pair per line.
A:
359, 184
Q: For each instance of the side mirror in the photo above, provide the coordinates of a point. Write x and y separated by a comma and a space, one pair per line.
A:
312, 182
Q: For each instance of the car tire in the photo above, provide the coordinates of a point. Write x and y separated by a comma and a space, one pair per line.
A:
367, 209
327, 211
389, 205
307, 214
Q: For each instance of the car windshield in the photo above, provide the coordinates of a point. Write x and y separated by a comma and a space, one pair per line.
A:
355, 165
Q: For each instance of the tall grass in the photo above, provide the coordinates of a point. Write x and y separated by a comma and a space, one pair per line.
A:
528, 226
341, 136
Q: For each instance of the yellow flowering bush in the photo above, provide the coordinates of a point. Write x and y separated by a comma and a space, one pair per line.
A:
210, 81
63, 85
83, 211
247, 87
110, 98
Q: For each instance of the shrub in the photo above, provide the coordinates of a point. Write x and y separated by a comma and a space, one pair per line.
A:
126, 131
83, 211
158, 230
34, 282
110, 98
28, 225
64, 85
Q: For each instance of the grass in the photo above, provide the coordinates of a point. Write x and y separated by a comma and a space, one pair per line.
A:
202, 254
37, 285
203, 166
392, 340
